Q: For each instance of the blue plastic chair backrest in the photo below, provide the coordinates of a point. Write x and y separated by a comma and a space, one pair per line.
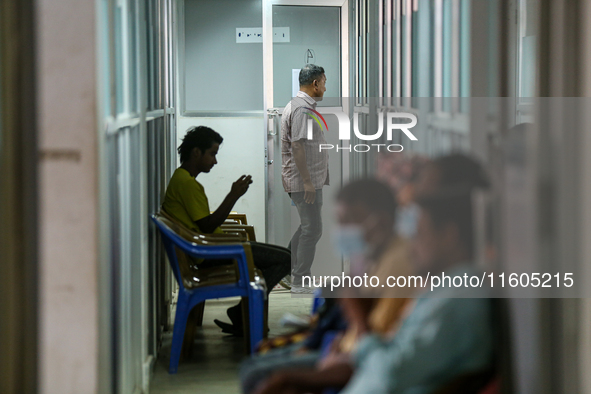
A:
172, 240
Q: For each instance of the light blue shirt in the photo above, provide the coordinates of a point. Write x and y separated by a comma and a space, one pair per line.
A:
442, 338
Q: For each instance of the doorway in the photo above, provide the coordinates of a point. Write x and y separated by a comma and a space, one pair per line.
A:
296, 33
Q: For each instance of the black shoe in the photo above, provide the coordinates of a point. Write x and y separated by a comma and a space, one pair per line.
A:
229, 328
235, 315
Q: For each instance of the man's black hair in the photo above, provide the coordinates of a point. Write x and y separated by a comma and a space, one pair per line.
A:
460, 175
201, 137
373, 194
309, 73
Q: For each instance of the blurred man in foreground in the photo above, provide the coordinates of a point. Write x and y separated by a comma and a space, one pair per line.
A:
447, 338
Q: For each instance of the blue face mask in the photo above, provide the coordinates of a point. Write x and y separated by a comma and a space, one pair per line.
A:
349, 240
407, 219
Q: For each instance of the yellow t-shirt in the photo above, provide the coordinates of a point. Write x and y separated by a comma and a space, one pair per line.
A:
186, 201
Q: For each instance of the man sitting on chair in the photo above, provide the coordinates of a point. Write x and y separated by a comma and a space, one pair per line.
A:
186, 201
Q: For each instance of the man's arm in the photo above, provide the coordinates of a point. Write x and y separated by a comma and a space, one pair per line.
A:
209, 223
307, 380
356, 311
299, 155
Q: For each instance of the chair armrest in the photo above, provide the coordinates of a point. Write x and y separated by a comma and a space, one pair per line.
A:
210, 246
239, 217
241, 252
214, 239
210, 239
241, 227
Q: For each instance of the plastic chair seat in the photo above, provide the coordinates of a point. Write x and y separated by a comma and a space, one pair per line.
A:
212, 276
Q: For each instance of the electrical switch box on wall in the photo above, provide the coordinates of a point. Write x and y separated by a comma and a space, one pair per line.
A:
250, 35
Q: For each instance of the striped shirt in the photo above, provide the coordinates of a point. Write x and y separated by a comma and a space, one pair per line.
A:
294, 127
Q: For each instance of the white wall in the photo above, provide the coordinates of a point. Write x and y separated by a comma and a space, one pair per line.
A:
68, 175
242, 152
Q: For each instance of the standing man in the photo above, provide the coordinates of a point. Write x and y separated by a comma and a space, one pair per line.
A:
304, 170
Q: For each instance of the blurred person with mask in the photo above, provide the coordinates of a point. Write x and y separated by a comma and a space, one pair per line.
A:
448, 333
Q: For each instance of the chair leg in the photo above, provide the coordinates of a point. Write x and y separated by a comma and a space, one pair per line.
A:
199, 315
256, 309
194, 320
266, 321
245, 323
189, 337
180, 322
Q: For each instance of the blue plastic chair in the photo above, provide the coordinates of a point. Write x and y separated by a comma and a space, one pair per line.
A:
188, 298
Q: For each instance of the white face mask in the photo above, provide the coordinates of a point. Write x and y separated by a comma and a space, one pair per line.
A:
349, 240
407, 219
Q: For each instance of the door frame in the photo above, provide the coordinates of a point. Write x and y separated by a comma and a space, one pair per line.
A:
20, 365
268, 42
268, 83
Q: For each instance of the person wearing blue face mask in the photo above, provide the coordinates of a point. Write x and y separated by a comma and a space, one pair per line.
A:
349, 240
407, 219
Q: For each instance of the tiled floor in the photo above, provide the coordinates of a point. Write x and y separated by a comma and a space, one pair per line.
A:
216, 356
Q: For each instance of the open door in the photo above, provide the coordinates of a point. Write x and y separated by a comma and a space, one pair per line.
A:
296, 33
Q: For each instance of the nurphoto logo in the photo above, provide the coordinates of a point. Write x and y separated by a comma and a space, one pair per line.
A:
394, 121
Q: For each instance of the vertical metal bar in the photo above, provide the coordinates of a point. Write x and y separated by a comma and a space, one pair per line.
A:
403, 49
455, 54
112, 60
166, 57
360, 48
366, 45
438, 54
398, 38
364, 51
125, 55
585, 164
161, 58
409, 41
389, 43
169, 149
345, 60
267, 20
504, 49
148, 325
356, 53
380, 48
464, 51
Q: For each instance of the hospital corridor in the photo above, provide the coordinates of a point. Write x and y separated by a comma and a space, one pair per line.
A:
295, 196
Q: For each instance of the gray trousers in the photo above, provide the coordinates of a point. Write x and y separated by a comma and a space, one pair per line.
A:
304, 240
